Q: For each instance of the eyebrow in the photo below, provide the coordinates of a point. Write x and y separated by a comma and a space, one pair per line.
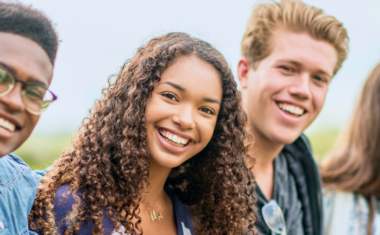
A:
30, 79
211, 100
299, 64
183, 89
175, 86
290, 61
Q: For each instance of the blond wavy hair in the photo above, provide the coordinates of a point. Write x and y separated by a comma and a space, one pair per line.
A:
297, 17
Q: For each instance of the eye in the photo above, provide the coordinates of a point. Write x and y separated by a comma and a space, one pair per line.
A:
207, 110
5, 78
319, 79
35, 92
170, 96
286, 68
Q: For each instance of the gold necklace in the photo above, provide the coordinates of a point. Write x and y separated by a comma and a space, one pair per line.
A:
153, 215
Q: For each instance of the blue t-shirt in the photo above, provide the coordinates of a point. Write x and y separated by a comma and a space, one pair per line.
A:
63, 206
18, 186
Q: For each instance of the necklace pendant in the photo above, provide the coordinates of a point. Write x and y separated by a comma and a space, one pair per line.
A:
160, 217
153, 215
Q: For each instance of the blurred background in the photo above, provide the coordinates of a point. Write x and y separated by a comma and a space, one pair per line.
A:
96, 37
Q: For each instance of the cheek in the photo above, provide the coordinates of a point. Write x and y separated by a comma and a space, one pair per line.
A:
153, 110
267, 84
33, 119
261, 97
207, 131
276, 82
148, 114
319, 97
30, 124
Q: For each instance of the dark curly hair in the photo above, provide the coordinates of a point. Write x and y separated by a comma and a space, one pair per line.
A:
30, 23
108, 159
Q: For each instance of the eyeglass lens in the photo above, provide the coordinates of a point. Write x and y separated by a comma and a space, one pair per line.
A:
274, 218
6, 81
36, 98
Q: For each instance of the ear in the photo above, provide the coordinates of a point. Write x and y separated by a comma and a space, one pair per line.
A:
243, 68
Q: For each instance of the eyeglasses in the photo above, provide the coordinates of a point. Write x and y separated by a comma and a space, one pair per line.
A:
274, 217
36, 96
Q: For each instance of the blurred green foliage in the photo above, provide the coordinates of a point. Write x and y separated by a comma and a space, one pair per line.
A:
41, 150
321, 142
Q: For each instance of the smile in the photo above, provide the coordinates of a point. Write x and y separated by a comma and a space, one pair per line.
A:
6, 125
291, 109
174, 139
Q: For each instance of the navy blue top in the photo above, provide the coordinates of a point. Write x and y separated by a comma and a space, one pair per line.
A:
63, 206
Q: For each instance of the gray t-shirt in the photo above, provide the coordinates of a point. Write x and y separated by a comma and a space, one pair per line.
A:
285, 193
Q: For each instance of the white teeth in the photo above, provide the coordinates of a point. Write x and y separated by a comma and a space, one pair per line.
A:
291, 109
7, 125
175, 138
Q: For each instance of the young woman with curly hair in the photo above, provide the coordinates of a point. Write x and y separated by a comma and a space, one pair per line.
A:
161, 149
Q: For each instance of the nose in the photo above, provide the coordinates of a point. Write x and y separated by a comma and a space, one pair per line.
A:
13, 100
301, 87
184, 117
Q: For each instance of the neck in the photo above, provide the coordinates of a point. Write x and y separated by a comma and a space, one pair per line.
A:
157, 178
265, 151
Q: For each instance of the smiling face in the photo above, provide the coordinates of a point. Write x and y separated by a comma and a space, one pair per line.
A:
286, 92
182, 112
30, 63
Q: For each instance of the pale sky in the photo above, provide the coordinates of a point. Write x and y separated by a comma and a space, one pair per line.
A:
98, 36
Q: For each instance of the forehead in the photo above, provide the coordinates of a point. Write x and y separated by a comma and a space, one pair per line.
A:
25, 57
194, 75
303, 49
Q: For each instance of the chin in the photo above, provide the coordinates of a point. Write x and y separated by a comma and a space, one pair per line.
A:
286, 139
3, 154
167, 161
4, 151
286, 136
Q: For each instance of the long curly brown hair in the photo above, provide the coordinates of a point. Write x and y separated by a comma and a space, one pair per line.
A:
108, 159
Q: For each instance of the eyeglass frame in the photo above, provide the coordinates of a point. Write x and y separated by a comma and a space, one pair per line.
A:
24, 86
273, 203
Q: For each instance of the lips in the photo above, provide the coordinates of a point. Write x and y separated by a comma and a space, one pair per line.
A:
173, 138
292, 109
169, 144
6, 125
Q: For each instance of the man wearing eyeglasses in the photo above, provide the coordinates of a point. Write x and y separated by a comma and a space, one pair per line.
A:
291, 52
28, 46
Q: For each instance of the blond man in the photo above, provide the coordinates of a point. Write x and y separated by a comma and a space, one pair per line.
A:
290, 54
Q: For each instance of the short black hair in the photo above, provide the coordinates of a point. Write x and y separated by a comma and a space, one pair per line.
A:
27, 22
